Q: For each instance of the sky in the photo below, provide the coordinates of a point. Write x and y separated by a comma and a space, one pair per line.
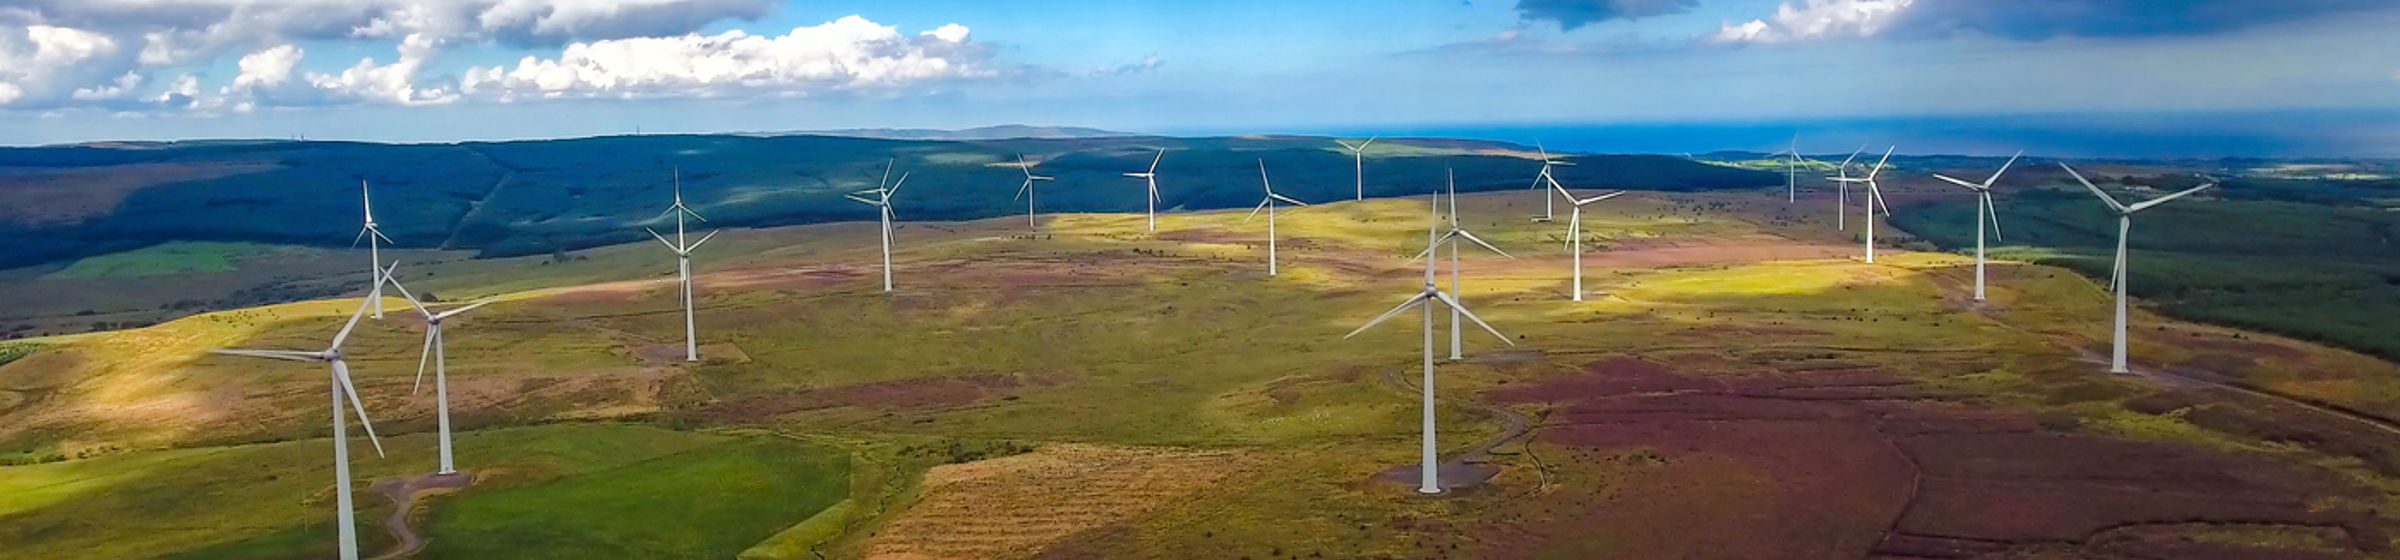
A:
449, 70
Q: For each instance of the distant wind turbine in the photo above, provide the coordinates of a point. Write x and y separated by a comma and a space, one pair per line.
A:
1575, 229
1452, 240
683, 266
882, 202
1358, 162
2120, 276
434, 352
1548, 212
1791, 172
1268, 204
1026, 191
1151, 177
1874, 200
1428, 478
374, 238
343, 390
1841, 216
1984, 213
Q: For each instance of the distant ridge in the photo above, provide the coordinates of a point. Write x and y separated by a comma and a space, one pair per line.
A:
1000, 132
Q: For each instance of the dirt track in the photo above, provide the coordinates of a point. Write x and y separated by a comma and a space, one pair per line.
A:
404, 494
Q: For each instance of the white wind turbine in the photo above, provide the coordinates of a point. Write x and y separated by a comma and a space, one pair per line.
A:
1452, 239
1841, 216
1548, 212
683, 266
1984, 213
374, 238
435, 353
1025, 191
1358, 162
1791, 172
882, 202
2116, 360
1429, 481
1150, 177
1874, 199
1268, 204
1575, 229
343, 390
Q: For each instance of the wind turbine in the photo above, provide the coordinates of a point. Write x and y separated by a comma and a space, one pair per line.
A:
882, 202
374, 238
1575, 229
434, 352
1429, 481
1984, 212
1548, 213
343, 390
1841, 216
1791, 172
1457, 233
1358, 162
1026, 191
1150, 177
2116, 360
683, 265
1268, 204
1874, 199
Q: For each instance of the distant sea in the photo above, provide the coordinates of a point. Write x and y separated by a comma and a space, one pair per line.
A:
2279, 134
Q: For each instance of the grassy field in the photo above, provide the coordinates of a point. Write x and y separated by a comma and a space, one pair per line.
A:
168, 259
1157, 353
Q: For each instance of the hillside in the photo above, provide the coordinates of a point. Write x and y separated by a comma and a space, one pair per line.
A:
533, 197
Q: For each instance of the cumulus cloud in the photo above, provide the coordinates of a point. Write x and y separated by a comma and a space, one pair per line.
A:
64, 53
1143, 66
1571, 14
850, 54
2026, 20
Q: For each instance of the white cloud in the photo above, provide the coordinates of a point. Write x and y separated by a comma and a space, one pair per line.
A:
850, 54
1817, 19
45, 65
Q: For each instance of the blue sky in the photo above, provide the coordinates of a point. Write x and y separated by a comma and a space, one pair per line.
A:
441, 70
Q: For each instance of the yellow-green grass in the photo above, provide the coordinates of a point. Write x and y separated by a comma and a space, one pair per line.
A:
173, 258
711, 502
240, 501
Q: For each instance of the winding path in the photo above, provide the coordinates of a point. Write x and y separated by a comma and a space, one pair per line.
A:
1515, 425
404, 494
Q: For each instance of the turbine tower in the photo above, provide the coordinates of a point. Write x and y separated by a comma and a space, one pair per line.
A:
374, 238
1549, 213
1575, 229
1428, 477
683, 265
1268, 204
1791, 172
1874, 199
882, 201
1452, 239
1984, 213
1151, 177
1026, 191
434, 352
2121, 276
1358, 162
343, 390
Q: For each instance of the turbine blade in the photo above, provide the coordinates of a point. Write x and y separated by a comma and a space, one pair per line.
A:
1470, 236
379, 234
2162, 200
1022, 188
341, 372
1387, 315
1601, 198
394, 281
1993, 213
1262, 205
1431, 245
462, 310
861, 200
887, 193
1969, 186
272, 354
362, 236
2012, 160
1862, 148
354, 316
1287, 200
1887, 156
712, 234
1025, 167
1262, 178
1462, 310
2087, 184
424, 356
1162, 154
695, 214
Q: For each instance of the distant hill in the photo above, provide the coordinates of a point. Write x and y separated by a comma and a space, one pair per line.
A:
1000, 132
530, 197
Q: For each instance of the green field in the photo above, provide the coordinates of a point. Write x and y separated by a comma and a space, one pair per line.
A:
168, 259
